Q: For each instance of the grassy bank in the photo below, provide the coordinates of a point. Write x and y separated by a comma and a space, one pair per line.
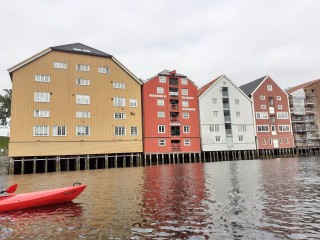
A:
4, 142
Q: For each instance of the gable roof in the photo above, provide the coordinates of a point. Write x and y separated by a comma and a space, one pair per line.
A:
205, 87
167, 72
251, 86
80, 49
303, 85
77, 48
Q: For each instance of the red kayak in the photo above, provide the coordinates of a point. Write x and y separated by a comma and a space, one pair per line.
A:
35, 199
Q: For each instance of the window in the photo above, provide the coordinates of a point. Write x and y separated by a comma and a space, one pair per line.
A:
41, 131
214, 127
161, 143
82, 82
287, 140
119, 102
59, 131
240, 137
269, 88
133, 102
104, 70
41, 113
263, 128
162, 79
214, 100
82, 114
264, 142
161, 129
263, 106
186, 129
160, 90
279, 106
119, 130
187, 142
282, 115
280, 140
238, 114
215, 113
185, 103
119, 115
284, 128
184, 91
59, 65
119, 85
161, 114
42, 78
184, 81
83, 130
82, 99
270, 140
185, 115
82, 67
218, 139
134, 131
237, 101
261, 115
41, 97
160, 102
242, 128
262, 97
278, 98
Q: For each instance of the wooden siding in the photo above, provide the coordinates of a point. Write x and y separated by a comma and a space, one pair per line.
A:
63, 107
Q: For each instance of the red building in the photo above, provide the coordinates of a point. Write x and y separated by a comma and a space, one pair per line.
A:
170, 114
271, 113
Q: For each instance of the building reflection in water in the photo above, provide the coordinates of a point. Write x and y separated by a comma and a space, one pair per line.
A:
174, 203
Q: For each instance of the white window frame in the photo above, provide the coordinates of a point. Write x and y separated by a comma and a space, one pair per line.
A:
40, 131
42, 97
184, 91
41, 113
104, 70
262, 97
82, 82
161, 114
119, 130
162, 143
185, 103
269, 88
185, 115
59, 131
119, 115
218, 138
278, 98
83, 130
187, 142
133, 102
263, 128
215, 113
238, 114
42, 78
184, 81
82, 99
281, 128
119, 85
134, 131
282, 115
83, 115
160, 102
82, 67
242, 128
214, 127
160, 90
237, 101
186, 129
280, 107
240, 138
214, 100
60, 65
161, 129
162, 79
262, 115
263, 106
119, 102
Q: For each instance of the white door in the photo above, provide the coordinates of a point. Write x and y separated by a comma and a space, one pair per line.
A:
275, 143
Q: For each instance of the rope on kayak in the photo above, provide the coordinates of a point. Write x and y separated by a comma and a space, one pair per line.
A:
77, 183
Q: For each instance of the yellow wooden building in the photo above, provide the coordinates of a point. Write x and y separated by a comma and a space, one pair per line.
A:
74, 100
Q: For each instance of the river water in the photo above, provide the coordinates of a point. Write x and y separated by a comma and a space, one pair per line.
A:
256, 199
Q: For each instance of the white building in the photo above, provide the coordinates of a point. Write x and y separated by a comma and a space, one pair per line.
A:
226, 119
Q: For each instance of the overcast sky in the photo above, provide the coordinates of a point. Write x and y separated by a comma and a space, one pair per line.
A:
244, 39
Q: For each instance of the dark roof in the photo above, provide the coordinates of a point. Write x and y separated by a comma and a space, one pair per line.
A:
80, 49
205, 87
303, 85
171, 73
251, 86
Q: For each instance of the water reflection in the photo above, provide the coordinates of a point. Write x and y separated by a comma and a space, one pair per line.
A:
174, 205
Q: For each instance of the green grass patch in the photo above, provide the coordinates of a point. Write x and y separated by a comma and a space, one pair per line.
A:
4, 142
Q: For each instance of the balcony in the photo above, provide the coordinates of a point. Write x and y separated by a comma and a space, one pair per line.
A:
173, 94
175, 133
226, 106
227, 118
175, 147
228, 132
298, 119
174, 107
